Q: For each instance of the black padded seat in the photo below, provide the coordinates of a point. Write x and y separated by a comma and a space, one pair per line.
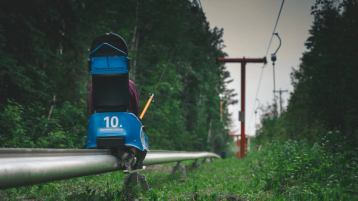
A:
110, 93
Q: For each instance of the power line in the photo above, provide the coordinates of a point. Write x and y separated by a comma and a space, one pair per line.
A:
258, 89
274, 29
273, 59
267, 50
269, 45
260, 80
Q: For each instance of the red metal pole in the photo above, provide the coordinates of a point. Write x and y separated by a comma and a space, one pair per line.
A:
243, 62
238, 153
243, 93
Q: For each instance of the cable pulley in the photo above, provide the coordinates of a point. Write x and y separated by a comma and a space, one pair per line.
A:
273, 55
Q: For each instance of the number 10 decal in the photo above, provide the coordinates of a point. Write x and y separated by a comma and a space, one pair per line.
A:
111, 122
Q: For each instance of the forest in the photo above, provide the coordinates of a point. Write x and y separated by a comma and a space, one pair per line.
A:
44, 71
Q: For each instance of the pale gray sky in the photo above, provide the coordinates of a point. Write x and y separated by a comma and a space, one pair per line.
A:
248, 25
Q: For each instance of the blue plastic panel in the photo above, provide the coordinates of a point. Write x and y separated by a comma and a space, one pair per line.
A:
109, 65
115, 124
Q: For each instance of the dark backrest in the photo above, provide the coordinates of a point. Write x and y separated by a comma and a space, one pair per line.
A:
109, 70
110, 93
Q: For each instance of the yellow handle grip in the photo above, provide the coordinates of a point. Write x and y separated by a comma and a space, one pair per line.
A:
149, 101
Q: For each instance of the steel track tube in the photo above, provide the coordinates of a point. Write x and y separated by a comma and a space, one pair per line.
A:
20, 167
23, 171
167, 157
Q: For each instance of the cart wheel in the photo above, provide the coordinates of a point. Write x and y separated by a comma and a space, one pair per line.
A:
140, 155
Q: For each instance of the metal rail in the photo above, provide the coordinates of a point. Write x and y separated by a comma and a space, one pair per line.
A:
31, 166
157, 157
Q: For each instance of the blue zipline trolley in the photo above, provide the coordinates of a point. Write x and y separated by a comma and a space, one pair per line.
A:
111, 125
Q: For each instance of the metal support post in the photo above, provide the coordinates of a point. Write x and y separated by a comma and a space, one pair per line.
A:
274, 90
243, 62
195, 164
130, 186
181, 169
243, 97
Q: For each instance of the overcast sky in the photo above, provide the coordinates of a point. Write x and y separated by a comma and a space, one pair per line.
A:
248, 25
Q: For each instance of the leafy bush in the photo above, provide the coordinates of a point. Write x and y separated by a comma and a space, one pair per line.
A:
12, 126
299, 171
28, 126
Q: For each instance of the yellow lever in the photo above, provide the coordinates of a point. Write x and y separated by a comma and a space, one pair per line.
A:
149, 101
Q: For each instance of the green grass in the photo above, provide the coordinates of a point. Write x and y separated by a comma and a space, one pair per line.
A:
99, 187
227, 179
210, 181
279, 171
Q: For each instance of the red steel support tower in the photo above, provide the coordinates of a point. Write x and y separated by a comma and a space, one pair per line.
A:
243, 62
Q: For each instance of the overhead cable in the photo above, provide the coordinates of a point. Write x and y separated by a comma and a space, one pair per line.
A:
267, 50
274, 29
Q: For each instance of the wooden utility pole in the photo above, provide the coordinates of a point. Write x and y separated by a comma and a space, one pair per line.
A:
243, 61
280, 94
